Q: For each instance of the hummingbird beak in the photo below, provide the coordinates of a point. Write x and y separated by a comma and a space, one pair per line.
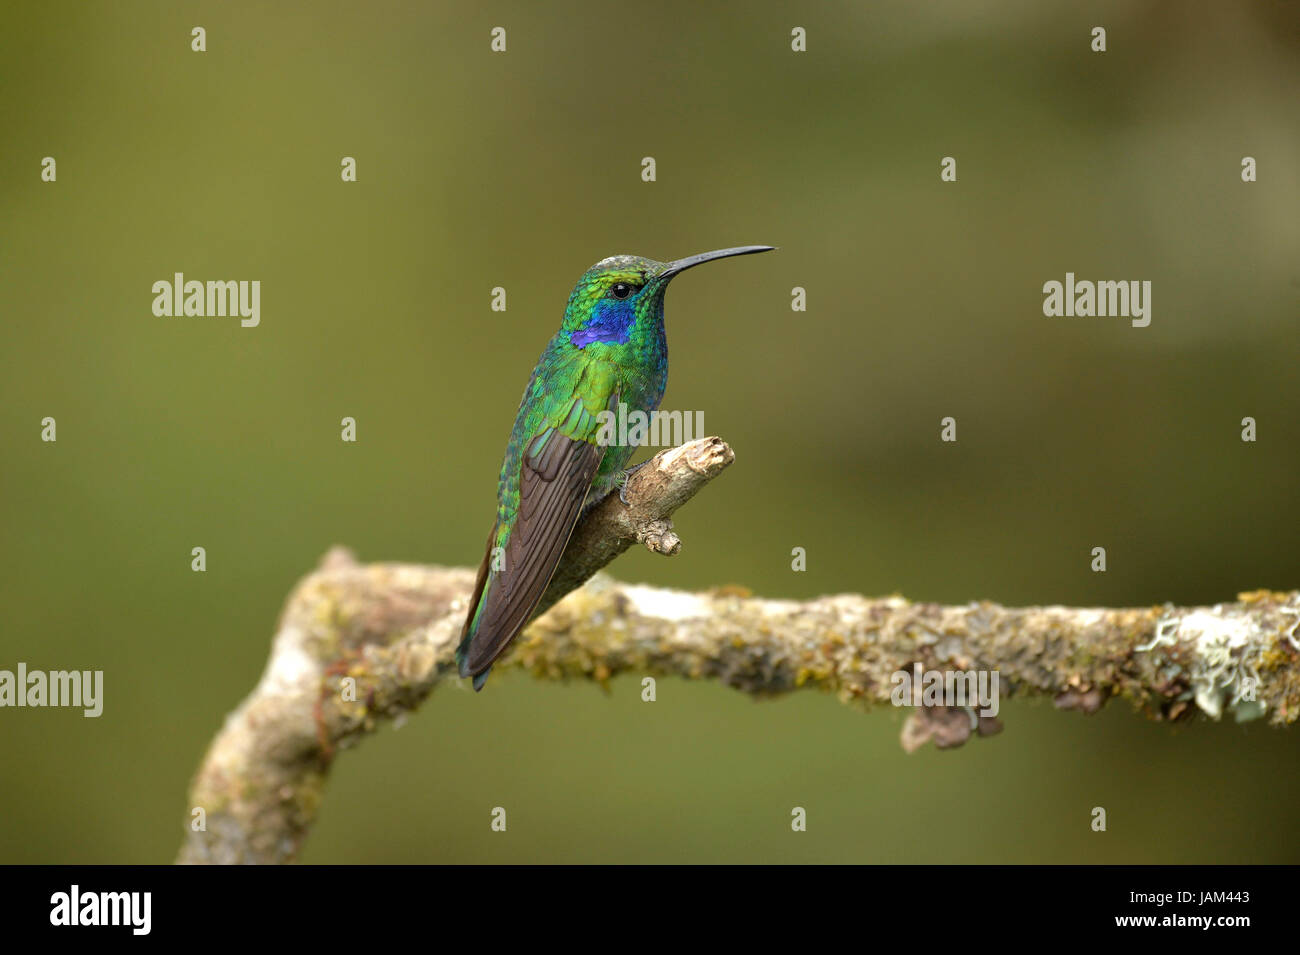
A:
681, 265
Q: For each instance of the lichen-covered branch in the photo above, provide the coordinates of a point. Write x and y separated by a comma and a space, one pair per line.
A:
357, 643
360, 643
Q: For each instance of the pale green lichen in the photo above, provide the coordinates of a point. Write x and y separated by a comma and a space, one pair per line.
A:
1225, 651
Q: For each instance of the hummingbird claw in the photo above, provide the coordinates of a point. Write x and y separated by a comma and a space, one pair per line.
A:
622, 482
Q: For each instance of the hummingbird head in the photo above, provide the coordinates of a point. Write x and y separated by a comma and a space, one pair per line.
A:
623, 292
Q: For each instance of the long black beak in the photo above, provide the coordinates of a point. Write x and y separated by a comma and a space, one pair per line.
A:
681, 265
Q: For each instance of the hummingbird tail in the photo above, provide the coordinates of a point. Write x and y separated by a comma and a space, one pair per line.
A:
468, 631
462, 663
462, 658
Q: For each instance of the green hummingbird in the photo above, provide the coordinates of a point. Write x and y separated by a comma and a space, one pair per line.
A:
611, 348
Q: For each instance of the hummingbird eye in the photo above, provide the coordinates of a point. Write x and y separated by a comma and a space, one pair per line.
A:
621, 289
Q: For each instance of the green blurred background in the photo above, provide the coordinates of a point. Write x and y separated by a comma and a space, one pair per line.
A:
520, 170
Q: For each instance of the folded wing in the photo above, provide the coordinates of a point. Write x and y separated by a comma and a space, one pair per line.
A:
556, 473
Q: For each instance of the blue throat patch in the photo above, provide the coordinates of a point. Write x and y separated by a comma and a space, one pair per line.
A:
610, 324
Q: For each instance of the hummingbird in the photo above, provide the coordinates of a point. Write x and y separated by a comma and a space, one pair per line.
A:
610, 348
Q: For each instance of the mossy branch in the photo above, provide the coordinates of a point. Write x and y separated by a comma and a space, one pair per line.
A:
361, 643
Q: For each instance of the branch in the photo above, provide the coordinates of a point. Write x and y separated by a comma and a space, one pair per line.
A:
392, 630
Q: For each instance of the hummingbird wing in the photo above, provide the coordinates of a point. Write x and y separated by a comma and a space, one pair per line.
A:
556, 470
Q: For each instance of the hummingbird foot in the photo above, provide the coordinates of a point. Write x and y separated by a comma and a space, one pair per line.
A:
622, 482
